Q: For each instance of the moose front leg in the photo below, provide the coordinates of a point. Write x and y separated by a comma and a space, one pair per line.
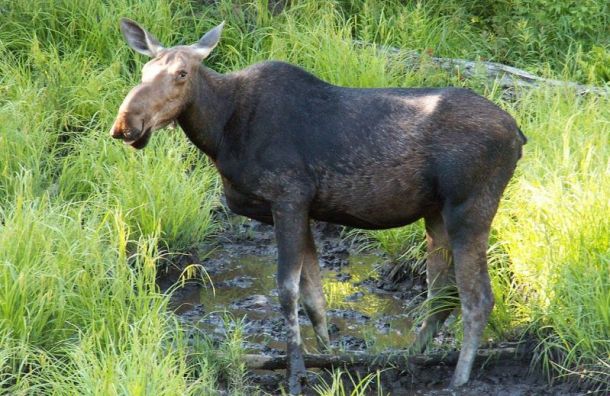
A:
291, 231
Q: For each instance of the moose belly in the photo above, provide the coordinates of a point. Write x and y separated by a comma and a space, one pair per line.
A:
371, 203
365, 222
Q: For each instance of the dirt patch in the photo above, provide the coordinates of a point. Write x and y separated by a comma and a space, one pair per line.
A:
365, 312
501, 378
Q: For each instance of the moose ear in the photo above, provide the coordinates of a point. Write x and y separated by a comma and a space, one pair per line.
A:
139, 39
206, 44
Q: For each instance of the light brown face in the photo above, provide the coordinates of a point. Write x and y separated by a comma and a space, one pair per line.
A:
167, 84
165, 91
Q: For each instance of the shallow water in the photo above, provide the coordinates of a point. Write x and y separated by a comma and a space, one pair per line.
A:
361, 315
244, 287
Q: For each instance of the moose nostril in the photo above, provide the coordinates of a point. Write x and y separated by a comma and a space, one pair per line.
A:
116, 133
131, 134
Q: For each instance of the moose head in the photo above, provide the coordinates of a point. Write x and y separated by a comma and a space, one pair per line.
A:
167, 83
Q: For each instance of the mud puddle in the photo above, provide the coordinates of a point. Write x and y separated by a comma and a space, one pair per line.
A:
246, 291
242, 287
364, 314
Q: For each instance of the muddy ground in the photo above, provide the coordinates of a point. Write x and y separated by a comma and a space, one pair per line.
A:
366, 313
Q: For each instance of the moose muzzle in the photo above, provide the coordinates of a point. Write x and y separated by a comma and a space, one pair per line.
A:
130, 124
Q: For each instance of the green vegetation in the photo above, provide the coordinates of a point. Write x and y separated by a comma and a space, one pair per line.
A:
84, 221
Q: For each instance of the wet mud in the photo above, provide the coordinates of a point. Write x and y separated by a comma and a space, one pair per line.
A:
366, 313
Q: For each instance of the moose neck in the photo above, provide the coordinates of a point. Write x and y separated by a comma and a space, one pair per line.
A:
213, 104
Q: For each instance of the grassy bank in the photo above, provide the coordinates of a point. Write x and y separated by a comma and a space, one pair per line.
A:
84, 221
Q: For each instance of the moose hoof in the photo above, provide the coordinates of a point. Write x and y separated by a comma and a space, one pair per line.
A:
324, 347
296, 383
458, 381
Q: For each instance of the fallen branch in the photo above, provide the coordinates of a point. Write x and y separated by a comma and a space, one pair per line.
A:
507, 78
396, 359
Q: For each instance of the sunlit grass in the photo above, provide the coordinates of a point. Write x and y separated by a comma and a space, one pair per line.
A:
167, 187
343, 383
82, 217
66, 291
557, 233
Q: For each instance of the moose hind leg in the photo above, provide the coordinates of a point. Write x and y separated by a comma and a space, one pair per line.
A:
312, 296
468, 228
442, 293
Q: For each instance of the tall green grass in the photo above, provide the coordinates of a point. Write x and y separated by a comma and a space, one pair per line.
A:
70, 290
555, 229
83, 220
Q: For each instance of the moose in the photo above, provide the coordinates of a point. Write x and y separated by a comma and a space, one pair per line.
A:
290, 147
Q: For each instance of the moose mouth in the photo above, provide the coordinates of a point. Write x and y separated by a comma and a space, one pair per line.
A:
141, 141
